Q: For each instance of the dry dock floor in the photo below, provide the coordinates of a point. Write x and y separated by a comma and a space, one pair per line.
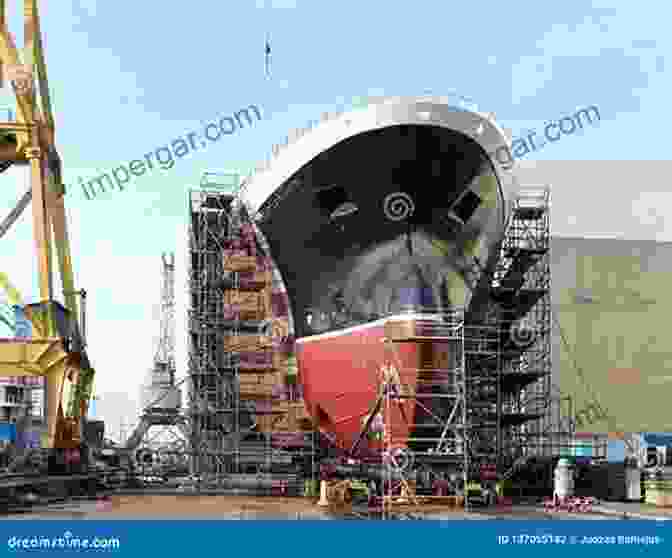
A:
150, 506
183, 506
203, 506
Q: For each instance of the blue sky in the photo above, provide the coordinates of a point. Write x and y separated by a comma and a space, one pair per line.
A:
127, 77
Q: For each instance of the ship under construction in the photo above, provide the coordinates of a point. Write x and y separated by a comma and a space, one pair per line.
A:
368, 311
375, 298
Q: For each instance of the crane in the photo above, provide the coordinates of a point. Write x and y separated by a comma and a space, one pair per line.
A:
13, 299
56, 348
164, 402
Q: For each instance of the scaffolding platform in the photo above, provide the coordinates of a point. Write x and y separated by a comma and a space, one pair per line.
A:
487, 410
238, 385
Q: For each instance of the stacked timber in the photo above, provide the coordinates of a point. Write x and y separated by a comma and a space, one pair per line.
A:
255, 386
250, 306
247, 298
246, 342
240, 254
255, 280
297, 418
253, 292
257, 361
272, 415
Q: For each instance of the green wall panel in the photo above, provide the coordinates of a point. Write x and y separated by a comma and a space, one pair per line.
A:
618, 320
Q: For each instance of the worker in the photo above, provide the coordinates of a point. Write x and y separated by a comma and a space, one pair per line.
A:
372, 493
488, 494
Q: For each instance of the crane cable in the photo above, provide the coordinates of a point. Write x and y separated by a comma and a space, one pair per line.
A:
572, 354
579, 372
15, 213
267, 56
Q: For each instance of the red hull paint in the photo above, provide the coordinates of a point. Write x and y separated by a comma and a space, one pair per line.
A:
340, 373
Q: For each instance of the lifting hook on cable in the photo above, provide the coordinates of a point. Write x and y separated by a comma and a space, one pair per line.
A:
267, 59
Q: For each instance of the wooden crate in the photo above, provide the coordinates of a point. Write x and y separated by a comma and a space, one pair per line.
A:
236, 261
249, 305
260, 378
255, 280
283, 363
265, 423
281, 406
293, 417
273, 367
251, 392
281, 424
276, 421
280, 325
246, 342
257, 385
298, 408
298, 418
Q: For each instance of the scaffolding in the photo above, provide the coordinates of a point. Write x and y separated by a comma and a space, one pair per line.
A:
245, 430
424, 407
463, 398
483, 399
517, 414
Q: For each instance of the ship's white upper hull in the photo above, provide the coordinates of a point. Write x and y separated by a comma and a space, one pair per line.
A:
303, 145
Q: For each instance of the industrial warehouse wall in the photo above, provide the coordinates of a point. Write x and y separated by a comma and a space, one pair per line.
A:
612, 299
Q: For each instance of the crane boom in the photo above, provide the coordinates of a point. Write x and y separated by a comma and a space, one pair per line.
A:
56, 349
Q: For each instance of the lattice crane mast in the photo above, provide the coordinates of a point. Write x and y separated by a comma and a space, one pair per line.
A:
164, 358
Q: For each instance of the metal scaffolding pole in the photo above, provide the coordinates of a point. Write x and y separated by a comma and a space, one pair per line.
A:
478, 384
234, 359
510, 367
434, 385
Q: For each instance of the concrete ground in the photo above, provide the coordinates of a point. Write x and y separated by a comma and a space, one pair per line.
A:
178, 507
153, 506
635, 510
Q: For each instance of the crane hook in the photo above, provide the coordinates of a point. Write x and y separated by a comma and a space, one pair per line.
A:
267, 52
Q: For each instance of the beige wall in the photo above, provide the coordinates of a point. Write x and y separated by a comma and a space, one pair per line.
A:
612, 299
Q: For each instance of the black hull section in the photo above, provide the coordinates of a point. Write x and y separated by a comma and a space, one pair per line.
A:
343, 267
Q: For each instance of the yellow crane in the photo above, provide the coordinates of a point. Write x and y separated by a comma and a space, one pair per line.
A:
56, 349
14, 299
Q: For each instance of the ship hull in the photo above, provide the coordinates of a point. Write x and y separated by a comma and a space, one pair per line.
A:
399, 207
343, 375
341, 378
